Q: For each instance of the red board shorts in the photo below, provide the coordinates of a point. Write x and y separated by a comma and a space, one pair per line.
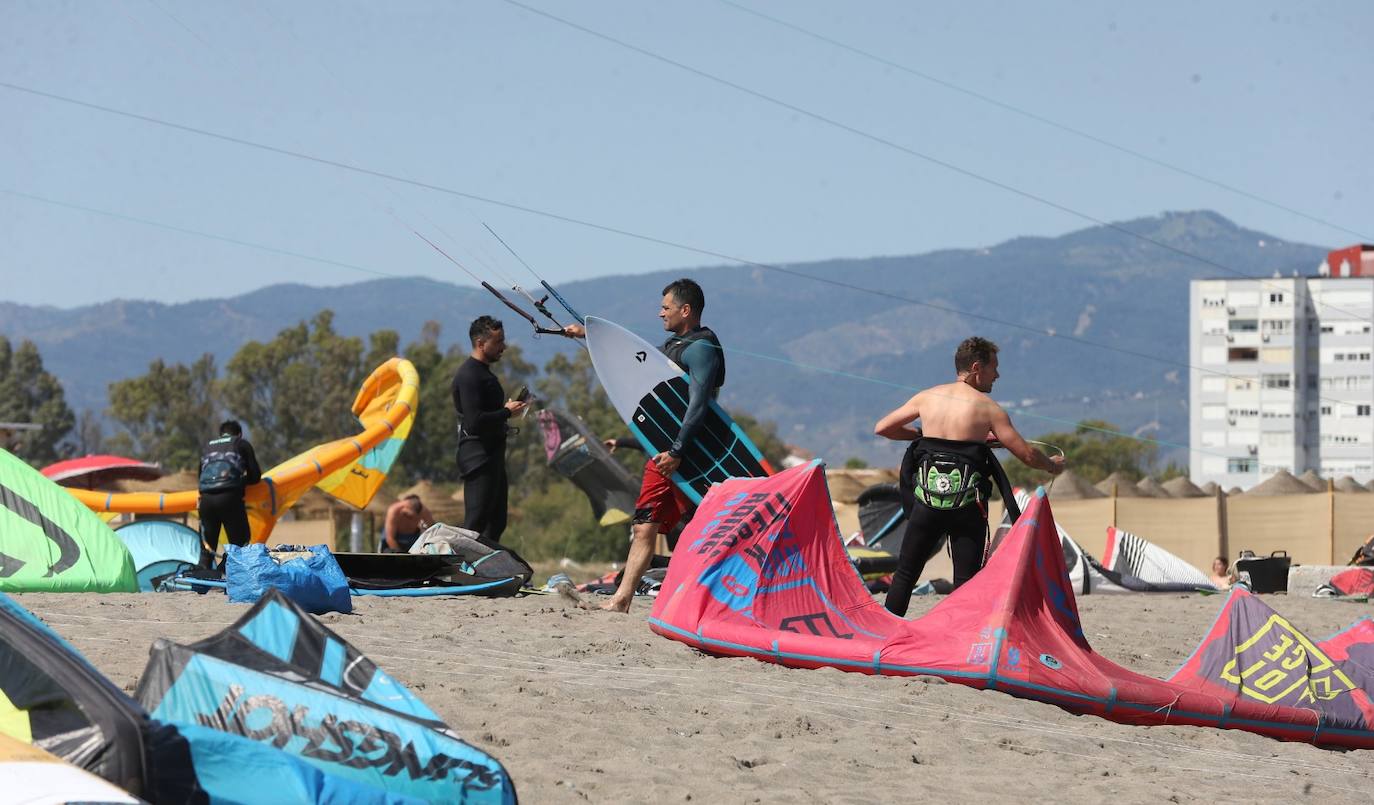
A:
659, 500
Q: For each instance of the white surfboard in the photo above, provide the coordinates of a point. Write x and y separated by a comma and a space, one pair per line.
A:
650, 393
627, 365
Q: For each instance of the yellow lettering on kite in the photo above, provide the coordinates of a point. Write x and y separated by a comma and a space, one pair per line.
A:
1292, 665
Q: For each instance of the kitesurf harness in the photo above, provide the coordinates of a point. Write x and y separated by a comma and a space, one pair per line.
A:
946, 474
676, 345
221, 465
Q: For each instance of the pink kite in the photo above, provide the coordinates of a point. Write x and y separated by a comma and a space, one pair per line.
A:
760, 572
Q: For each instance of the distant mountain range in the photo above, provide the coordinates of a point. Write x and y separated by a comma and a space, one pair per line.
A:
821, 360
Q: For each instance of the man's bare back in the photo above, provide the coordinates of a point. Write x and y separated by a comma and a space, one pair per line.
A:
963, 411
956, 411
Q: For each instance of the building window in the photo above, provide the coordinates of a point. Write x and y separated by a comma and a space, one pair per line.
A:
1326, 410
1346, 382
1327, 328
1242, 354
1241, 465
1277, 326
1244, 325
1361, 410
1278, 381
1340, 438
1275, 298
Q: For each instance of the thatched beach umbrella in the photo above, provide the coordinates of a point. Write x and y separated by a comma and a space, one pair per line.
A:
1313, 480
316, 505
1348, 484
1069, 485
379, 504
444, 508
1181, 487
1280, 483
1233, 491
1150, 488
1125, 487
179, 481
845, 485
1211, 488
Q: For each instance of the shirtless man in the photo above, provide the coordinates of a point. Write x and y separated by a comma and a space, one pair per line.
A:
405, 519
947, 467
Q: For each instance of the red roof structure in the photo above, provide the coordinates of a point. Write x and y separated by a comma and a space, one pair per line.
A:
90, 472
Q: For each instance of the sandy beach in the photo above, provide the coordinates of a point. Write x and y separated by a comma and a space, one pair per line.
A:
583, 706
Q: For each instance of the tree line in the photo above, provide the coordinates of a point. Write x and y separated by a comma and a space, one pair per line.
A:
296, 390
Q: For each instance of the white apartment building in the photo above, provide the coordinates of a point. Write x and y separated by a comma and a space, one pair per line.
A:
1283, 374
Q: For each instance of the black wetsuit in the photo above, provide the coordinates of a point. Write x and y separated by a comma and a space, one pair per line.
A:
963, 517
482, 415
228, 465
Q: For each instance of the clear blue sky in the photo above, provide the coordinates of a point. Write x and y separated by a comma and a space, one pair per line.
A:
485, 97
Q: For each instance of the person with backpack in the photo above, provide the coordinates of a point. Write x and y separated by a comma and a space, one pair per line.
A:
950, 469
228, 466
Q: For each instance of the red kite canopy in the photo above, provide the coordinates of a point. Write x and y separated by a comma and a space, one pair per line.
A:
760, 572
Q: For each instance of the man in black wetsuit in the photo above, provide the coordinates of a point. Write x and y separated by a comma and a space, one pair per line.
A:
482, 414
660, 504
947, 471
228, 466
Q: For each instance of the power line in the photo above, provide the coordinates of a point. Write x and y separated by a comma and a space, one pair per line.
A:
949, 85
201, 234
611, 229
731, 350
893, 144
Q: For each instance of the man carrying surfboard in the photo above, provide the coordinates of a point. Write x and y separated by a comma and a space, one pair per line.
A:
949, 468
660, 505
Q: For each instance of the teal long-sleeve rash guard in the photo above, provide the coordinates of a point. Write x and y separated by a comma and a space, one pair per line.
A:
704, 364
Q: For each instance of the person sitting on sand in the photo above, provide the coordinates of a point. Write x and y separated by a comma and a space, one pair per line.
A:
1222, 576
405, 519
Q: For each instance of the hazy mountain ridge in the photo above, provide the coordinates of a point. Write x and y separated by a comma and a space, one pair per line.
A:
1099, 285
